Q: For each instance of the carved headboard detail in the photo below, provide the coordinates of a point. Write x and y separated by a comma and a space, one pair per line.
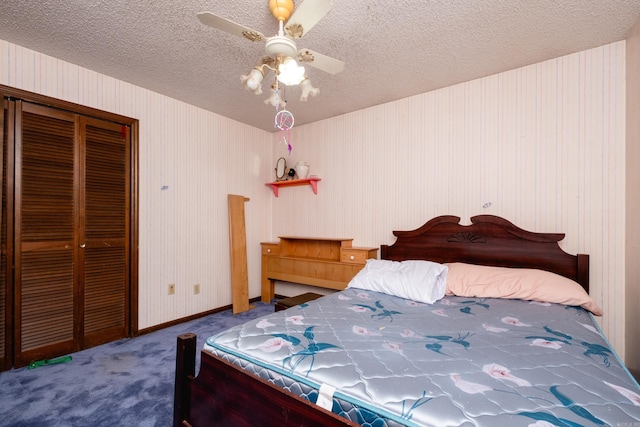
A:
489, 240
467, 237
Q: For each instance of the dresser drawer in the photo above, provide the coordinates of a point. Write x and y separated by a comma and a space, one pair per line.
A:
357, 255
270, 249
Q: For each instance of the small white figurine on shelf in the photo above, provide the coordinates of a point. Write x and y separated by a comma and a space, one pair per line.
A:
302, 169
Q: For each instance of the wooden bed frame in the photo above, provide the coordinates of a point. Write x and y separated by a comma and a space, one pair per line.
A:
223, 394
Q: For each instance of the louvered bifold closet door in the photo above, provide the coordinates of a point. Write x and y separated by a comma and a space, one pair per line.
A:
106, 231
5, 285
46, 180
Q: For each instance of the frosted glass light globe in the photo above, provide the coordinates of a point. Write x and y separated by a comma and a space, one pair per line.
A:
290, 73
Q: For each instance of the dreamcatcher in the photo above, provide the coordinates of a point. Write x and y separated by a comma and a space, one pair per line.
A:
284, 122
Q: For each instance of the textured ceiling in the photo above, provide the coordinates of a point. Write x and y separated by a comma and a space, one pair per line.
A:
391, 49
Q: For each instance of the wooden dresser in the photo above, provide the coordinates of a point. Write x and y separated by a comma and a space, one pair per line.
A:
322, 262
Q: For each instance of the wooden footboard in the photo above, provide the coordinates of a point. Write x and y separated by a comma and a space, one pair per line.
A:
223, 394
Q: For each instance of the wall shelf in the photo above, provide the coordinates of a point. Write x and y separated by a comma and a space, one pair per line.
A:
313, 182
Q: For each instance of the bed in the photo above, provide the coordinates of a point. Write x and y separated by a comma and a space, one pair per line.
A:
490, 352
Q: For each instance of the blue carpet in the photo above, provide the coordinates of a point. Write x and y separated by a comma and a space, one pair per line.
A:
126, 382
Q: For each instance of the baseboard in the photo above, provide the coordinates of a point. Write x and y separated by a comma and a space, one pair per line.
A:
188, 318
636, 374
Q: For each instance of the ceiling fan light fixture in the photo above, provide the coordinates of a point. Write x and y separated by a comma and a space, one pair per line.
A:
307, 89
290, 73
275, 99
252, 81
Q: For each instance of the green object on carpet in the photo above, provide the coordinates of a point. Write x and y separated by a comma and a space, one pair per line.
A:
129, 382
56, 361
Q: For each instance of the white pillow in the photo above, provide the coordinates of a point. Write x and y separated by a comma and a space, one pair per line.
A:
422, 281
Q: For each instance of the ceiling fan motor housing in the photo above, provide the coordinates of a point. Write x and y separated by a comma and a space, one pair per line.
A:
281, 46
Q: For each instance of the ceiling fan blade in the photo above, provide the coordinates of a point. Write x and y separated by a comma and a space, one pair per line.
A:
320, 61
215, 21
306, 16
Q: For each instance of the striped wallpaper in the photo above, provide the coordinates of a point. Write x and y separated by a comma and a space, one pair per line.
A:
542, 146
632, 226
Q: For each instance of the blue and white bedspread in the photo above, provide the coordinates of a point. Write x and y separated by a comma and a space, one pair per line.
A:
459, 362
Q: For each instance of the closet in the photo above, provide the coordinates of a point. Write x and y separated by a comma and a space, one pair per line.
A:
68, 192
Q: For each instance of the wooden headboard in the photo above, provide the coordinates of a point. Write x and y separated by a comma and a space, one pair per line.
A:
489, 240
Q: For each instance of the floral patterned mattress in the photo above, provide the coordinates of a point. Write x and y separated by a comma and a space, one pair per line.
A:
382, 360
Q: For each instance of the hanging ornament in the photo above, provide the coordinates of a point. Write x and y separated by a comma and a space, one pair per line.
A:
284, 122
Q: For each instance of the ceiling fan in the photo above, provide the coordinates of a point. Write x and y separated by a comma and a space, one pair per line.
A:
282, 54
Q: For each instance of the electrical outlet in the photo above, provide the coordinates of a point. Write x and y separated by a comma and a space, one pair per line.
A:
196, 289
172, 288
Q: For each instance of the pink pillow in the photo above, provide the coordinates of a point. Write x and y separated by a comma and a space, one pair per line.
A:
483, 281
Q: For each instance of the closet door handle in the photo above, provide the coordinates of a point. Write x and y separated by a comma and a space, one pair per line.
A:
82, 245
